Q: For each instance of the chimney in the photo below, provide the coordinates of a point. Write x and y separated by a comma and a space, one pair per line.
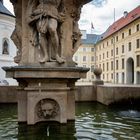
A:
125, 13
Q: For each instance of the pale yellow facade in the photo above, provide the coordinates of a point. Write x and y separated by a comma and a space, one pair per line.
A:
119, 55
85, 57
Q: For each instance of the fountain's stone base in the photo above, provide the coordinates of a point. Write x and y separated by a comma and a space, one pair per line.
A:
46, 94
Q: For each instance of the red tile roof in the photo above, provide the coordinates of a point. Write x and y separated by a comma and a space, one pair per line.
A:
122, 22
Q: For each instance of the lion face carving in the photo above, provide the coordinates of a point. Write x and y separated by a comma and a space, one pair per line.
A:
47, 109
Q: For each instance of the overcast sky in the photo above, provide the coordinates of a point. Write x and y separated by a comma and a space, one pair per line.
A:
100, 13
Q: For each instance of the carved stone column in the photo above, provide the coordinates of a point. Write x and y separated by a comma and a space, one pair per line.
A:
47, 36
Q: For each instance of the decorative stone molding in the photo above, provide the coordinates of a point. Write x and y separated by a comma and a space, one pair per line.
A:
47, 109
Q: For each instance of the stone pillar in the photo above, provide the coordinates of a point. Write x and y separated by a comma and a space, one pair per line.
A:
46, 72
46, 94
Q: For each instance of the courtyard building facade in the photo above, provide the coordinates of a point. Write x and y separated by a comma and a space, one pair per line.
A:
85, 55
118, 50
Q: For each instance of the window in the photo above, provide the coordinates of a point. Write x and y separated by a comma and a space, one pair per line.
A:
92, 58
107, 66
138, 60
111, 65
84, 58
100, 57
122, 48
123, 63
107, 54
84, 49
103, 45
112, 41
129, 46
92, 49
116, 38
111, 52
117, 65
137, 27
116, 51
123, 77
138, 43
122, 35
111, 75
117, 77
107, 43
5, 47
103, 55
129, 31
103, 66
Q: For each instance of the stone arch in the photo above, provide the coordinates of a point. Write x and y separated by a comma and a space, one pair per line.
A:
5, 46
130, 71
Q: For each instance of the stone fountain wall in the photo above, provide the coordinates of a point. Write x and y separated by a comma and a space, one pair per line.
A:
105, 94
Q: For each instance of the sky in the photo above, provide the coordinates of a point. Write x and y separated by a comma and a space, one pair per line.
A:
100, 13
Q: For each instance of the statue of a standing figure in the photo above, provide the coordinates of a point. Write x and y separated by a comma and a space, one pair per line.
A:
17, 33
44, 18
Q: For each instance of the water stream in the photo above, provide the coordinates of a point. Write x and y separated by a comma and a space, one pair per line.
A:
93, 122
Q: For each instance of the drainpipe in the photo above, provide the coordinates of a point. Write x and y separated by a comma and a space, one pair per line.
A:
114, 50
114, 59
95, 51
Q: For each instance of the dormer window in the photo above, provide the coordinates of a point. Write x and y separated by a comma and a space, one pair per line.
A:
5, 47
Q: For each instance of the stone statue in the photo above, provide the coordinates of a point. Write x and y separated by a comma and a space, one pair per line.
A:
46, 31
45, 17
16, 35
76, 38
47, 109
5, 48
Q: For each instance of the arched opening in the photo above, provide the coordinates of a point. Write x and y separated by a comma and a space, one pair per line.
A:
130, 71
5, 47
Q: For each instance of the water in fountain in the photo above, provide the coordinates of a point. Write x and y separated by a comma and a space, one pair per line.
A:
93, 122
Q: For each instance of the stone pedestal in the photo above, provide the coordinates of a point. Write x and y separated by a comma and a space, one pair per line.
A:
47, 36
46, 94
98, 81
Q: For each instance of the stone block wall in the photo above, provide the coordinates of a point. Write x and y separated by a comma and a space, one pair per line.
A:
105, 94
8, 94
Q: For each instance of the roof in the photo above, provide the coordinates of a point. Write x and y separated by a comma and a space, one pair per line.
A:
91, 39
4, 10
122, 22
